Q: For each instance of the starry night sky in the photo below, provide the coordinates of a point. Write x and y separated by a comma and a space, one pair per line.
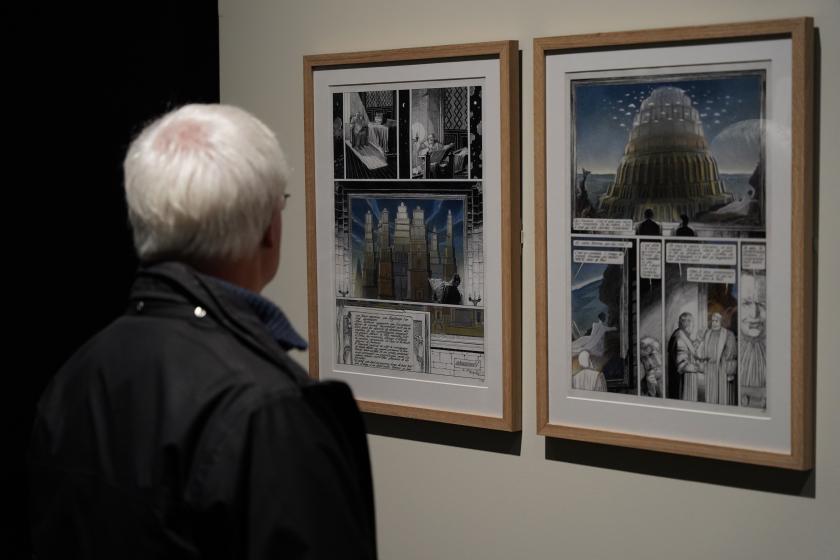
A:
604, 111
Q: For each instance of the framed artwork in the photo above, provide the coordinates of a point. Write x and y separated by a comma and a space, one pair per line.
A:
413, 230
674, 240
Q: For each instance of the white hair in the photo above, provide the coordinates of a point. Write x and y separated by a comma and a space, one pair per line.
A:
202, 182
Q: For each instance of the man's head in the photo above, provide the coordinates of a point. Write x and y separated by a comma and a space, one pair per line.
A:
602, 316
456, 280
684, 220
686, 322
753, 304
205, 184
716, 321
648, 213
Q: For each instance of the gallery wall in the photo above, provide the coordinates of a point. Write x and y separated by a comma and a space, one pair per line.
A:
452, 492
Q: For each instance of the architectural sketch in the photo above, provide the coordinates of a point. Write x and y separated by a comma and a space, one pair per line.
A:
422, 245
408, 257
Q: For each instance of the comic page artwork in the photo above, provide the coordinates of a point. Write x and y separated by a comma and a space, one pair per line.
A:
424, 133
667, 231
409, 244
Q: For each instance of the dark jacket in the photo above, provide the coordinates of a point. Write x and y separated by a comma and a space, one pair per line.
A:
183, 430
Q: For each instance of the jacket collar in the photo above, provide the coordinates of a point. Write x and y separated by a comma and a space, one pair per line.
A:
176, 281
271, 316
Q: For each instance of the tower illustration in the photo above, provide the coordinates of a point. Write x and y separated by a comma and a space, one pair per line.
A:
666, 165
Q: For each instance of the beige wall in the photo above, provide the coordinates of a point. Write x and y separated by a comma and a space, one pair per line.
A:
464, 501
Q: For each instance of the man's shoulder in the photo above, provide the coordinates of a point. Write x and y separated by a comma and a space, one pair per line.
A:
171, 354
173, 378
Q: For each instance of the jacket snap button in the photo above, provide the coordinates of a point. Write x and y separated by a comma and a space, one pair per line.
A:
200, 312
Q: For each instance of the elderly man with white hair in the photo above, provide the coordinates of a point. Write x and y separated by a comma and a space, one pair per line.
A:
184, 429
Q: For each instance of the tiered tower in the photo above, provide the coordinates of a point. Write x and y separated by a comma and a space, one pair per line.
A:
666, 164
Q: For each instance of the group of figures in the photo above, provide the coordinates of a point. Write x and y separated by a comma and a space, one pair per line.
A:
699, 366
709, 362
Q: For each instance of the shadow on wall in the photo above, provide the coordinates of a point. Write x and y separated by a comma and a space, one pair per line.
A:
682, 467
444, 434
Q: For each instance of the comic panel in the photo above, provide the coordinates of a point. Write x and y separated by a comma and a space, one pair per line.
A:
410, 243
701, 318
369, 132
674, 155
404, 136
408, 340
338, 135
753, 313
445, 126
603, 299
476, 156
651, 365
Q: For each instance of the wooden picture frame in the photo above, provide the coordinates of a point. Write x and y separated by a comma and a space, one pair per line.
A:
413, 230
698, 346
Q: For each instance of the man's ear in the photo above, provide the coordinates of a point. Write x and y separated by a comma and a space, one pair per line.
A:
271, 235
